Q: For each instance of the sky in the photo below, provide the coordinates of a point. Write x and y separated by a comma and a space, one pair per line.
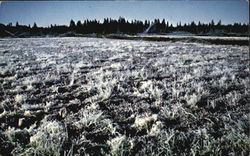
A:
45, 13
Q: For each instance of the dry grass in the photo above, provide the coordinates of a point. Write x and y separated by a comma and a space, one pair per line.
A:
88, 96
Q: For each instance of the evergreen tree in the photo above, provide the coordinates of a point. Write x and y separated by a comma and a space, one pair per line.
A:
212, 23
78, 24
34, 25
219, 23
72, 23
10, 24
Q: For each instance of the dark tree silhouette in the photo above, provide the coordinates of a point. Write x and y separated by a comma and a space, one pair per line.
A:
72, 23
34, 25
109, 26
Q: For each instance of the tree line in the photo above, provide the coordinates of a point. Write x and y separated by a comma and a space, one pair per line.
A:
123, 26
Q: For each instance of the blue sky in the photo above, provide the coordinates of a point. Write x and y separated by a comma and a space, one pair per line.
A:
45, 13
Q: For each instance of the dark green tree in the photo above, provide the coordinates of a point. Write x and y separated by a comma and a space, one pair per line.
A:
72, 23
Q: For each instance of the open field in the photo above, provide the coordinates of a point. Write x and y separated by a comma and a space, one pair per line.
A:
215, 40
95, 96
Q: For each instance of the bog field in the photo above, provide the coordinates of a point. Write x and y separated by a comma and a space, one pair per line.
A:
99, 96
